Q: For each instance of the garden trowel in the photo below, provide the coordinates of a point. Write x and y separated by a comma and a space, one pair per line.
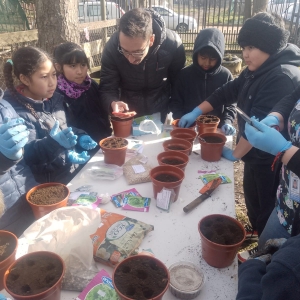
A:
206, 192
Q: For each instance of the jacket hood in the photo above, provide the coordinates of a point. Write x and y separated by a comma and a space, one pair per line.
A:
212, 37
159, 29
290, 55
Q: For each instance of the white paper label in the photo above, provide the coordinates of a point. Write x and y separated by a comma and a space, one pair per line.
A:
163, 199
138, 169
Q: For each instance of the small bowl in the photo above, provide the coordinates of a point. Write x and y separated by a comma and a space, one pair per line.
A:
186, 280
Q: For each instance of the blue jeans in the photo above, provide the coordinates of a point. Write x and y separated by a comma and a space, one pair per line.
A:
272, 230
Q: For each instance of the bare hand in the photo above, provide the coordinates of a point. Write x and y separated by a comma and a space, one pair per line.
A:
119, 106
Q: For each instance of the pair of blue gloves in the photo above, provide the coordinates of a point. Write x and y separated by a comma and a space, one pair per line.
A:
188, 119
67, 139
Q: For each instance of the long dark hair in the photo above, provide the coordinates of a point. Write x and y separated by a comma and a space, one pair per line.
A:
26, 61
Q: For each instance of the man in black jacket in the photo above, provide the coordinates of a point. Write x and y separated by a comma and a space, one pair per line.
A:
139, 64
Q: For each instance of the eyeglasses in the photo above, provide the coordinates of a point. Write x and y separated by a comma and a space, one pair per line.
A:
137, 55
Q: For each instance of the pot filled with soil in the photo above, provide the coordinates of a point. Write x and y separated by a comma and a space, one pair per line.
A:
221, 237
207, 123
176, 144
175, 125
35, 276
141, 277
121, 127
114, 150
184, 133
47, 197
168, 177
212, 145
8, 249
173, 158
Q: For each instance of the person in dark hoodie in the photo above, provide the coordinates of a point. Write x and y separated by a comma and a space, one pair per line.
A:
139, 64
50, 151
272, 73
199, 80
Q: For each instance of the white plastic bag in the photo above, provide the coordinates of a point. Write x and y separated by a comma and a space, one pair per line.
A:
66, 231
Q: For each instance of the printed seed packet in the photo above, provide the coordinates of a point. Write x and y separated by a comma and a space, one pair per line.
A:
117, 199
89, 199
209, 177
136, 203
100, 288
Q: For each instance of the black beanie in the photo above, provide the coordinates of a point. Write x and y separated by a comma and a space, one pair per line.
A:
265, 36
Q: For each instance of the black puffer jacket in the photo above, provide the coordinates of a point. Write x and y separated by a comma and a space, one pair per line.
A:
16, 179
194, 84
256, 93
145, 87
47, 159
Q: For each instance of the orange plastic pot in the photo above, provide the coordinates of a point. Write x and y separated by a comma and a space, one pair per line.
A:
133, 258
217, 255
184, 133
173, 155
7, 237
211, 149
115, 156
207, 127
175, 125
159, 185
42, 210
175, 142
122, 127
53, 293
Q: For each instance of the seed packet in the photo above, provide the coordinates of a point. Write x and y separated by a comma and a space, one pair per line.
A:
117, 199
209, 177
136, 203
100, 288
89, 199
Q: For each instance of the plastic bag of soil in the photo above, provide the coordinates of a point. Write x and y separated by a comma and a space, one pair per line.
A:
66, 231
117, 237
137, 170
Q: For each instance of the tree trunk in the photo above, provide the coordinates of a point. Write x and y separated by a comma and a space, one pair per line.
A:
259, 5
57, 22
247, 10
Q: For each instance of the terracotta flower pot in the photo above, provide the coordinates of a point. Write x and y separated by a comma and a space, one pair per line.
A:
175, 125
173, 158
52, 293
116, 155
176, 144
174, 173
224, 229
122, 127
40, 210
211, 149
184, 133
207, 123
134, 272
8, 255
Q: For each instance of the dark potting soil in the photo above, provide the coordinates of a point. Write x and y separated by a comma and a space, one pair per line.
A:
34, 275
172, 161
141, 279
115, 143
48, 195
171, 147
166, 178
221, 231
207, 119
213, 139
7, 246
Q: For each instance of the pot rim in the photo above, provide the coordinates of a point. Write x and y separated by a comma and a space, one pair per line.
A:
160, 170
227, 217
113, 149
176, 121
26, 256
142, 256
222, 136
173, 153
209, 117
46, 185
185, 131
180, 142
16, 247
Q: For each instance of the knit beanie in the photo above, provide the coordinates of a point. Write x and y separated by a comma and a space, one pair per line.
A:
265, 36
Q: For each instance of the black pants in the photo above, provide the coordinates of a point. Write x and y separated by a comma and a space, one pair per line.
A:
260, 186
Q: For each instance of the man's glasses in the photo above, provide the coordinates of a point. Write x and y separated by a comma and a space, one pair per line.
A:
137, 55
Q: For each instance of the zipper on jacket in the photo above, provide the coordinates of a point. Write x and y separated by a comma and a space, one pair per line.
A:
145, 88
205, 80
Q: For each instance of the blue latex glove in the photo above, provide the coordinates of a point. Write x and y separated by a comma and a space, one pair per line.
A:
228, 129
78, 158
66, 138
270, 121
2, 297
86, 142
266, 138
13, 137
188, 119
227, 153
